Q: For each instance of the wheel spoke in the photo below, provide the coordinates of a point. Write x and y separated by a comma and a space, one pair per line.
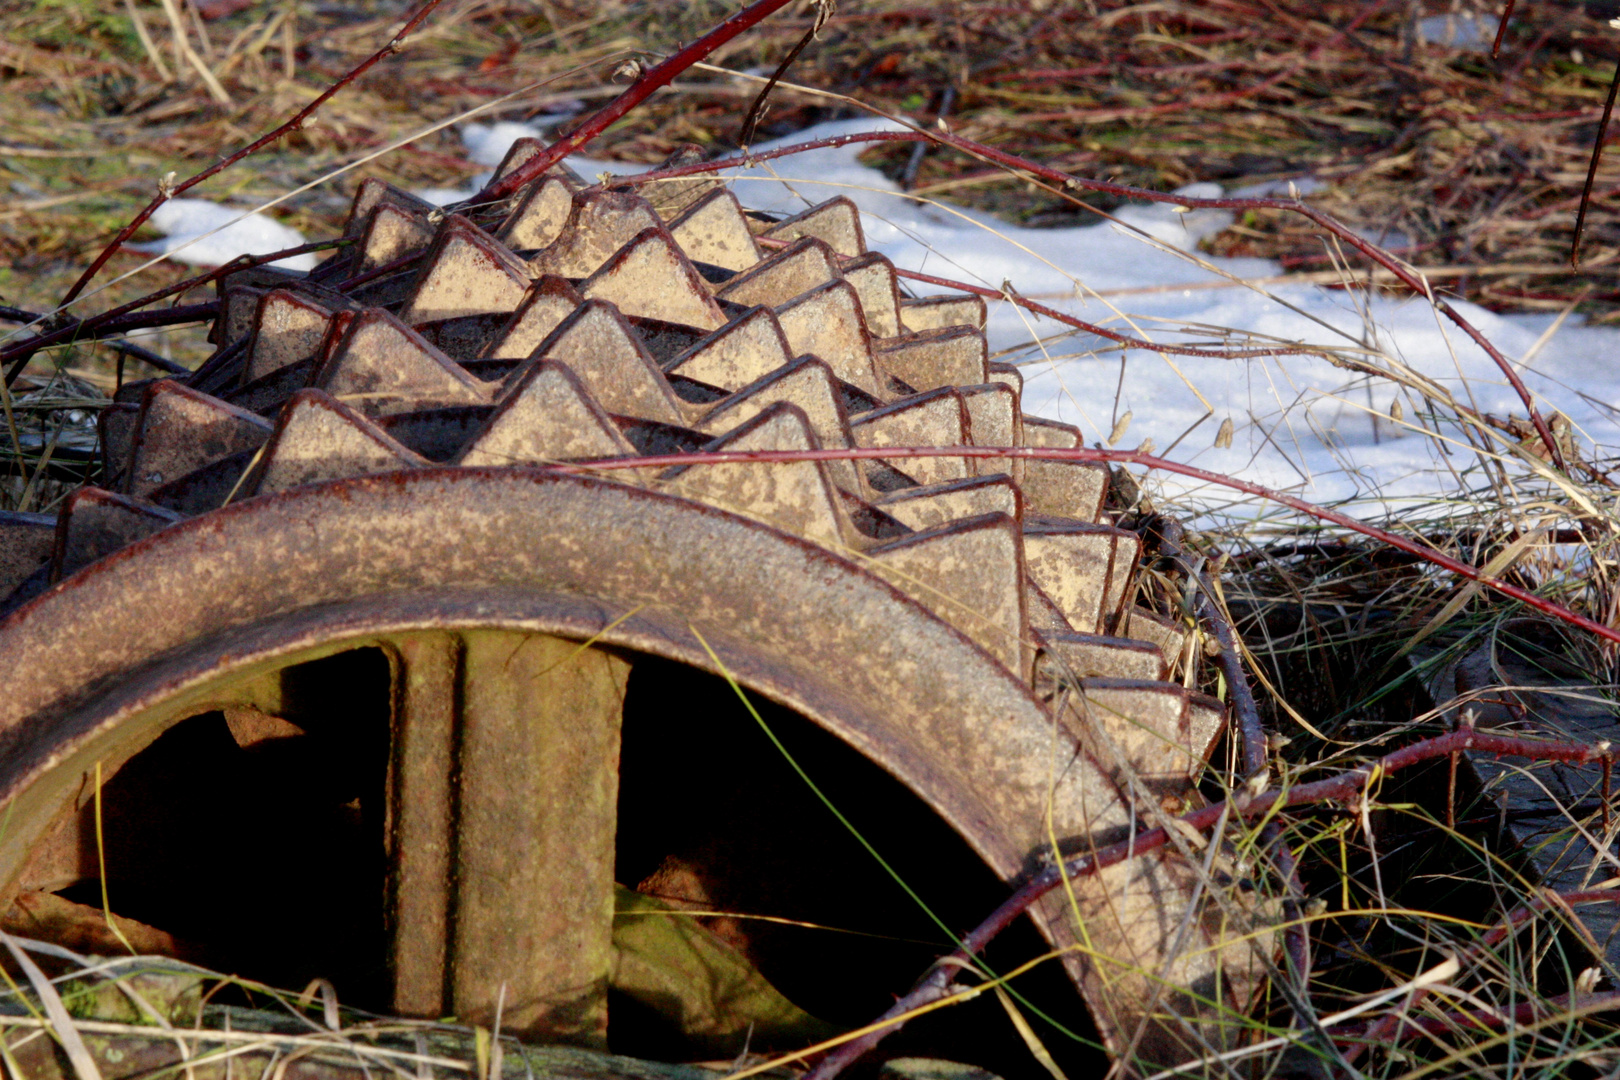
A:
508, 882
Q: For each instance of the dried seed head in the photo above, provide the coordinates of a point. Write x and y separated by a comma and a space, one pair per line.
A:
1120, 427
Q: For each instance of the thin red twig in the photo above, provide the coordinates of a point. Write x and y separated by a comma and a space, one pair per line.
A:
638, 91
1130, 457
117, 320
1393, 1027
394, 45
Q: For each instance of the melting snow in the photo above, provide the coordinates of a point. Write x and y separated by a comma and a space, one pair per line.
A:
203, 233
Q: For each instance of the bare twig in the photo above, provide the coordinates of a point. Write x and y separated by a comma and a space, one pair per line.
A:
395, 44
649, 81
119, 319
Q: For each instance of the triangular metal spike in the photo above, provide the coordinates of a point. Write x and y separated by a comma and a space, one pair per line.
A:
1148, 723
1002, 372
180, 430
540, 215
466, 272
1044, 615
949, 309
268, 393
673, 197
1143, 625
807, 383
382, 366
791, 272
969, 573
933, 505
92, 523
827, 322
391, 232
798, 497
745, 349
875, 282
319, 438
600, 348
993, 420
836, 222
1070, 657
937, 418
287, 327
26, 541
1070, 489
713, 230
598, 225
650, 278
373, 193
548, 416
1039, 431
547, 303
1075, 563
1009, 376
952, 356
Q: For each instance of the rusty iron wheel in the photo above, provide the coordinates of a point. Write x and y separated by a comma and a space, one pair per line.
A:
338, 550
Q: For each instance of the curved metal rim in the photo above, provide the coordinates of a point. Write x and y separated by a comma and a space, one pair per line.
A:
539, 549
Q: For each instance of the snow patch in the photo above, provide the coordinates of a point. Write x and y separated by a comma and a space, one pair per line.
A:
203, 233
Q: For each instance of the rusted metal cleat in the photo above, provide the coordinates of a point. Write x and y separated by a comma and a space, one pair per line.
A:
359, 494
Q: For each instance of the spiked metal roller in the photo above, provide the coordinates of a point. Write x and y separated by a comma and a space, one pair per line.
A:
368, 460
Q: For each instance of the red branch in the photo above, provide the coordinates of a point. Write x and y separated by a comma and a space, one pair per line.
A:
1132, 457
1393, 1028
1346, 785
394, 45
114, 320
639, 91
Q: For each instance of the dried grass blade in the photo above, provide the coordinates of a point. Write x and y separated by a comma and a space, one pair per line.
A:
1027, 1033
84, 1066
1493, 569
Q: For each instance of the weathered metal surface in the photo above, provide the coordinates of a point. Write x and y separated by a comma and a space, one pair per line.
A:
835, 222
909, 627
713, 230
537, 780
179, 431
650, 277
791, 272
26, 541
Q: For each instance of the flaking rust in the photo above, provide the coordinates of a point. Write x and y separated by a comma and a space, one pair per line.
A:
374, 464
